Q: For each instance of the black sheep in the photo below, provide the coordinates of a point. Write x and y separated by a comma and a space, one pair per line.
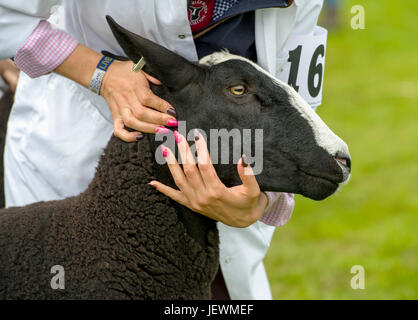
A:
121, 239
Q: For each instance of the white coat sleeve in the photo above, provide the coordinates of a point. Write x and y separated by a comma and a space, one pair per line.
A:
18, 18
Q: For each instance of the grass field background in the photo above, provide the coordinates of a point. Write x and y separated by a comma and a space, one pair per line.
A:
370, 99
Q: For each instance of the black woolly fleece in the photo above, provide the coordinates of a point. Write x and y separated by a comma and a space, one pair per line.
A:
120, 239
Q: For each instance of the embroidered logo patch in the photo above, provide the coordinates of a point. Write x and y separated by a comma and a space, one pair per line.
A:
200, 14
197, 11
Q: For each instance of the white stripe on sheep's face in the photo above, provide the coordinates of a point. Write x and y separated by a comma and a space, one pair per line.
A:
301, 154
224, 91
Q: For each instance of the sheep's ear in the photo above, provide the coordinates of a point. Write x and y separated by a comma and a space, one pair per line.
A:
170, 68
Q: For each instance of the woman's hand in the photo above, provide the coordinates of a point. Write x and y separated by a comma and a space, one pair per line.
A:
132, 102
127, 93
202, 191
9, 73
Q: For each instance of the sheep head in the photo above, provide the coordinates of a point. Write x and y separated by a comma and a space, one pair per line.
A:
296, 151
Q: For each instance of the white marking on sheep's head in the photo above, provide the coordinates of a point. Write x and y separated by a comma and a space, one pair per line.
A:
224, 91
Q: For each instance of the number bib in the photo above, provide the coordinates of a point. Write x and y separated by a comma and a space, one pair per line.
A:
304, 69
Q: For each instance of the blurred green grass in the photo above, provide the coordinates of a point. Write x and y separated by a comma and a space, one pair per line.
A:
370, 100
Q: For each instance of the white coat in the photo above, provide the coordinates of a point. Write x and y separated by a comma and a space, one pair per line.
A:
57, 129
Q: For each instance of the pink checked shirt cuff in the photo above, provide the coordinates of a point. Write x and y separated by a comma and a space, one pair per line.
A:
45, 49
279, 208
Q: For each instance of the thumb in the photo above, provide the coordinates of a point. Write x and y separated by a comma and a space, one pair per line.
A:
152, 79
247, 176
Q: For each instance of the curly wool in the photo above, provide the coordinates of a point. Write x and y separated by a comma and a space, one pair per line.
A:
120, 239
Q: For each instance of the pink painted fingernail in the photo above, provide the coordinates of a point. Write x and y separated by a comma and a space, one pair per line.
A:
172, 112
162, 129
177, 137
152, 186
164, 151
172, 123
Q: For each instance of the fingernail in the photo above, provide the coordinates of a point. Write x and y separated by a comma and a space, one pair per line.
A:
172, 123
196, 134
152, 186
177, 137
244, 160
162, 129
139, 137
164, 151
172, 112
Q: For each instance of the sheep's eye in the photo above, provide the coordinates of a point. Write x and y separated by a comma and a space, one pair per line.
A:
238, 90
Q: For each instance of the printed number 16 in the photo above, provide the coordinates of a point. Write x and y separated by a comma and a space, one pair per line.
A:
315, 68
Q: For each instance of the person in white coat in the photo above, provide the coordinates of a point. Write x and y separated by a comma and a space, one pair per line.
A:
58, 128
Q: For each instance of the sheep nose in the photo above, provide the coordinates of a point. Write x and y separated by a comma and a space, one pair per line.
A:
344, 160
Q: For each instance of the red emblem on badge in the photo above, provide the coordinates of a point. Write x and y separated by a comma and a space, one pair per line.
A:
200, 14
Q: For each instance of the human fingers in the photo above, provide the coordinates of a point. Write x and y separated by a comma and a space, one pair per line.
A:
123, 134
149, 115
147, 98
152, 79
177, 173
247, 177
189, 165
132, 122
172, 193
206, 168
